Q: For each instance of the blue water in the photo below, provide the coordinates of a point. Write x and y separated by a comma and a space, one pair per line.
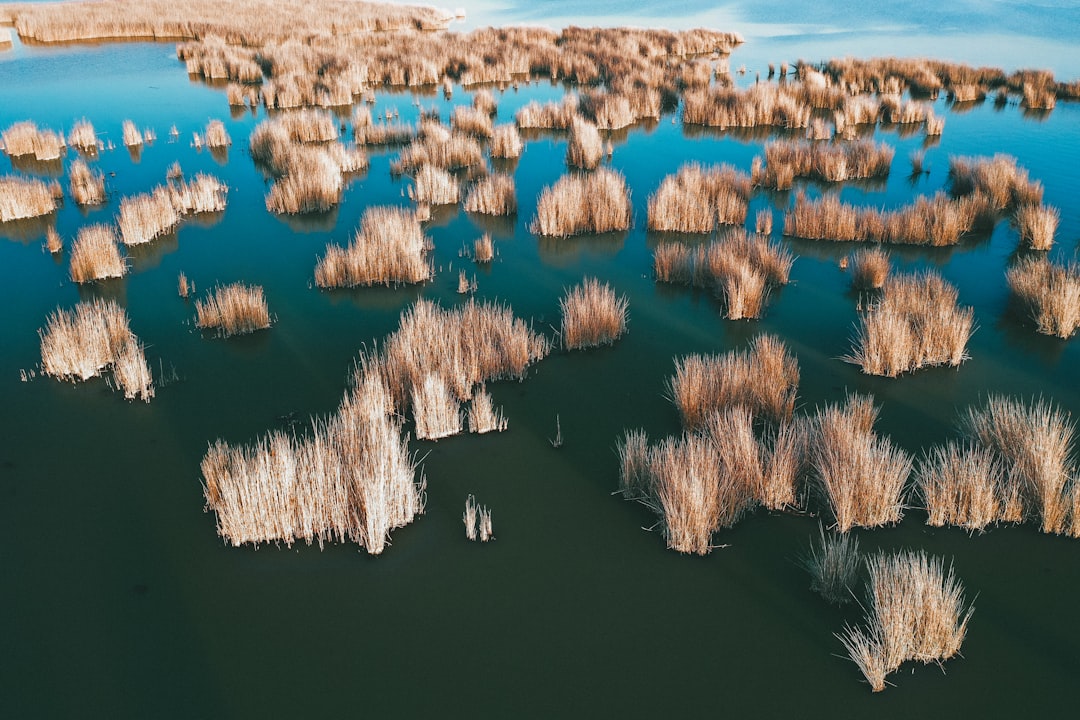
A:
120, 601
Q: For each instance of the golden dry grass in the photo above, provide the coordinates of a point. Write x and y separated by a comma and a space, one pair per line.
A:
506, 142
434, 186
87, 186
388, 248
455, 152
592, 315
1049, 292
1036, 225
215, 135
916, 323
146, 216
53, 242
132, 136
697, 198
584, 149
235, 309
760, 105
25, 138
22, 198
83, 137
963, 486
998, 178
492, 195
575, 204
95, 255
785, 160
436, 412
185, 288
483, 249
472, 121
548, 116
484, 417
484, 101
869, 268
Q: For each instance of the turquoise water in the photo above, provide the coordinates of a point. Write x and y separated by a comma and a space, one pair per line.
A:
120, 601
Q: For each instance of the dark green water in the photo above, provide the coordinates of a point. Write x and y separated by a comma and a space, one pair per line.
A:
120, 601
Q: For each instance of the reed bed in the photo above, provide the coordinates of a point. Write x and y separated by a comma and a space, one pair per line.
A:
762, 105
696, 198
785, 160
146, 216
859, 476
235, 309
435, 409
91, 338
916, 323
506, 142
83, 137
384, 134
492, 195
575, 204
1049, 292
202, 194
22, 198
964, 486
87, 186
1039, 97
472, 121
483, 249
351, 479
25, 138
95, 255
434, 186
584, 149
592, 315
548, 116
998, 178
1034, 444
1036, 225
870, 268
312, 183
388, 248
916, 611
740, 269
215, 135
458, 152
833, 565
484, 417
763, 379
935, 221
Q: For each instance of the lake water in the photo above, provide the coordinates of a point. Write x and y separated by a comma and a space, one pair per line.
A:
120, 601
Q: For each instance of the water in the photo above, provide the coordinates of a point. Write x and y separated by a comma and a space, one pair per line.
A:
120, 601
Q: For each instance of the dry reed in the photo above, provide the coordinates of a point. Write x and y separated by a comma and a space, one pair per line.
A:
53, 242
763, 222
998, 178
963, 486
696, 198
1037, 225
484, 417
457, 152
833, 565
1049, 292
585, 149
575, 204
435, 186
592, 315
785, 160
484, 101
916, 323
389, 247
506, 142
132, 136
25, 138
235, 309
215, 135
472, 121
483, 249
869, 268
435, 409
95, 255
22, 198
493, 195
83, 137
87, 186
146, 216
184, 287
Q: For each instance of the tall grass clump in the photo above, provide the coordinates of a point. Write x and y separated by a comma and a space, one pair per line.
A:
916, 323
696, 199
202, 194
472, 121
575, 204
235, 309
436, 411
132, 136
483, 249
869, 268
506, 142
1037, 225
964, 486
95, 255
1049, 292
388, 248
833, 565
916, 611
492, 195
312, 182
1034, 443
215, 135
548, 116
484, 417
859, 476
785, 160
484, 101
146, 216
762, 104
763, 379
25, 138
89, 339
592, 315
452, 152
435, 186
585, 149
87, 186
998, 178
22, 198
351, 479
83, 137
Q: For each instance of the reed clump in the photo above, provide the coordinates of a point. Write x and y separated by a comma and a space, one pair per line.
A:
132, 136
506, 142
1036, 225
1049, 292
215, 135
833, 565
235, 309
585, 149
548, 116
1004, 183
785, 160
53, 242
739, 268
87, 186
22, 198
83, 137
762, 105
916, 611
146, 216
91, 338
916, 323
763, 379
472, 121
484, 417
436, 411
483, 249
388, 248
25, 138
1034, 444
434, 186
202, 194
575, 204
477, 520
492, 195
697, 198
870, 268
965, 486
484, 101
454, 152
312, 182
95, 255
351, 479
592, 315
859, 476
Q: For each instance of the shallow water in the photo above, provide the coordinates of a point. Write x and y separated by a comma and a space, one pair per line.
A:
121, 601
